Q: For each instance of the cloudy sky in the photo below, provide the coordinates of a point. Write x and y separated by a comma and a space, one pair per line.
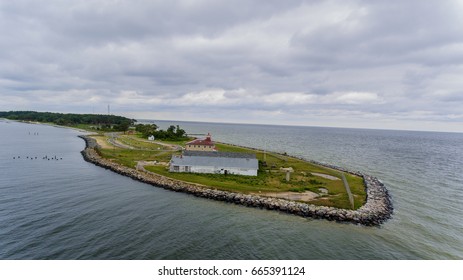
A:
368, 64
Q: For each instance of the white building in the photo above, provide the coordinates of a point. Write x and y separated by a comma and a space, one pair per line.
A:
215, 163
151, 138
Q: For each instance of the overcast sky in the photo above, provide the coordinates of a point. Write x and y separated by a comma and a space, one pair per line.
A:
369, 64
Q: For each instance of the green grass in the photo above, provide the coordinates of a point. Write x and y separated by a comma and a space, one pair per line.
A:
129, 158
137, 143
245, 184
268, 182
269, 179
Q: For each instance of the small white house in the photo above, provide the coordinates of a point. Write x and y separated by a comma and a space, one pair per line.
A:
151, 138
215, 163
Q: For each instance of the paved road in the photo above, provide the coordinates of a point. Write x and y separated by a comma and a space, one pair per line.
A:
112, 138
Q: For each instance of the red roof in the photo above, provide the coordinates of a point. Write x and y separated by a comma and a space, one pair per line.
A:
204, 142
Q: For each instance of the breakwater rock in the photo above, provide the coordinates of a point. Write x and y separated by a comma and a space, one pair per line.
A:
377, 209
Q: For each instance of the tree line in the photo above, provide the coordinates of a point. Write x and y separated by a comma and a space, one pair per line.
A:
171, 133
101, 122
107, 122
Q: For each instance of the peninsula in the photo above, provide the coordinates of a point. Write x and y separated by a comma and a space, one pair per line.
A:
227, 172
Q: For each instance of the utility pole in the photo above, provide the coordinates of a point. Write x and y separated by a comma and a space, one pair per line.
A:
265, 150
109, 111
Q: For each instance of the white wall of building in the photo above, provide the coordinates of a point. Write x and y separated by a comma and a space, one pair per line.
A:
216, 170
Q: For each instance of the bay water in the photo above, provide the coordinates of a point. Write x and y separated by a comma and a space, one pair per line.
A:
54, 205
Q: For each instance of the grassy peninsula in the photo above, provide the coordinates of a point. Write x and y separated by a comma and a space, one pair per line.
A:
324, 184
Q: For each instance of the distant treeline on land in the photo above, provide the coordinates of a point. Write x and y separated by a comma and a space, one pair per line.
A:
97, 122
174, 133
101, 121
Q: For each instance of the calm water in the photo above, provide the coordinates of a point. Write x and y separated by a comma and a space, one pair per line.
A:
70, 209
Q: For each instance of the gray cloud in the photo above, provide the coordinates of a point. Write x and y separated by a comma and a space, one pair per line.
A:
382, 64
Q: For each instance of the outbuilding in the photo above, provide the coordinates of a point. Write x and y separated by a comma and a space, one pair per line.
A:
205, 144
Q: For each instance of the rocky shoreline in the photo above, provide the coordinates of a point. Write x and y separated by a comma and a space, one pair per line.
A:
377, 209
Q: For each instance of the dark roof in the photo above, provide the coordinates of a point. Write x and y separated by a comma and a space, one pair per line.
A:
202, 142
206, 141
218, 154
